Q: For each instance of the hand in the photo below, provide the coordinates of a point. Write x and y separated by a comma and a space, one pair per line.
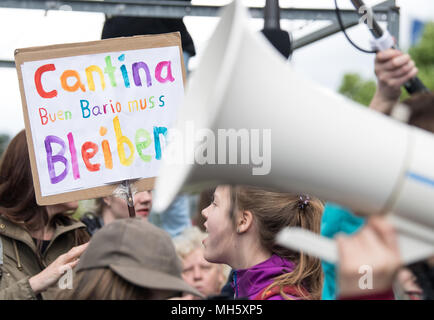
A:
408, 284
56, 269
376, 247
393, 68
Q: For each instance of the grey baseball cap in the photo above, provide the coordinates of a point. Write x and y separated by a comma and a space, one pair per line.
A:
139, 253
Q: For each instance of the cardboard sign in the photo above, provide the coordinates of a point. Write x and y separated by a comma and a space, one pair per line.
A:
98, 113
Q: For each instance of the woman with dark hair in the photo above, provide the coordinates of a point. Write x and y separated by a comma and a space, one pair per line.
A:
37, 243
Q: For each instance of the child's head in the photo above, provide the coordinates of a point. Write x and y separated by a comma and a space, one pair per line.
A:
206, 277
239, 213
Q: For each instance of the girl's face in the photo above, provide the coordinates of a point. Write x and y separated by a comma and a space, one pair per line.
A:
220, 243
117, 206
143, 203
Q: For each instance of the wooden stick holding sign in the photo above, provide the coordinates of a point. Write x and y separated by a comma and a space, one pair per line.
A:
130, 200
99, 112
124, 191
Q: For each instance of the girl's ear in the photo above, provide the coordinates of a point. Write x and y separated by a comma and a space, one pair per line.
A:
245, 221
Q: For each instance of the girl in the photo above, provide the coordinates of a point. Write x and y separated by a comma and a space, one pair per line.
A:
242, 223
36, 242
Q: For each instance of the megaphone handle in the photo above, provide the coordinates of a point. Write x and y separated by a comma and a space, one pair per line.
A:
415, 85
411, 249
311, 243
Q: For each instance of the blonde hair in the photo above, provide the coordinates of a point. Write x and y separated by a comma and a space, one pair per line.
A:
190, 240
274, 211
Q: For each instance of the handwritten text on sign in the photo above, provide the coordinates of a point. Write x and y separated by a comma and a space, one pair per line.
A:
101, 118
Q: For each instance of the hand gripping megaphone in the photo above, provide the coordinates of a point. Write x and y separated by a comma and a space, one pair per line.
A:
313, 140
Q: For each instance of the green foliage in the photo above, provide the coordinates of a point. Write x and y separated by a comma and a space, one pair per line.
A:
426, 74
362, 90
83, 207
357, 89
423, 52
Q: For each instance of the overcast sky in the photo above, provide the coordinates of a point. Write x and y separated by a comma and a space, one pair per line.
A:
324, 61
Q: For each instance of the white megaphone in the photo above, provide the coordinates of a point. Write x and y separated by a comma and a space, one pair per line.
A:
313, 140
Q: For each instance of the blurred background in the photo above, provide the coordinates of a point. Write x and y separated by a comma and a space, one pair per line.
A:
331, 62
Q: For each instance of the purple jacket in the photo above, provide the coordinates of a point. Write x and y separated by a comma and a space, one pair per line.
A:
249, 282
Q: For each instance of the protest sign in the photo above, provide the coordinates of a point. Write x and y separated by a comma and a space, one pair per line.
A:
98, 113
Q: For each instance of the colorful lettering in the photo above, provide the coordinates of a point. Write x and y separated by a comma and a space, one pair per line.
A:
84, 108
136, 68
71, 74
89, 155
121, 140
159, 70
124, 71
151, 102
143, 140
109, 69
89, 76
157, 132
163, 74
108, 161
43, 115
161, 100
73, 152
38, 75
52, 159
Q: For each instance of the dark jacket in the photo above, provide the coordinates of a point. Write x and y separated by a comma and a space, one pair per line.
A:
93, 222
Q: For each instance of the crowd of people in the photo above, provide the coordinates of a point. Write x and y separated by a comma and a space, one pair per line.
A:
226, 249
